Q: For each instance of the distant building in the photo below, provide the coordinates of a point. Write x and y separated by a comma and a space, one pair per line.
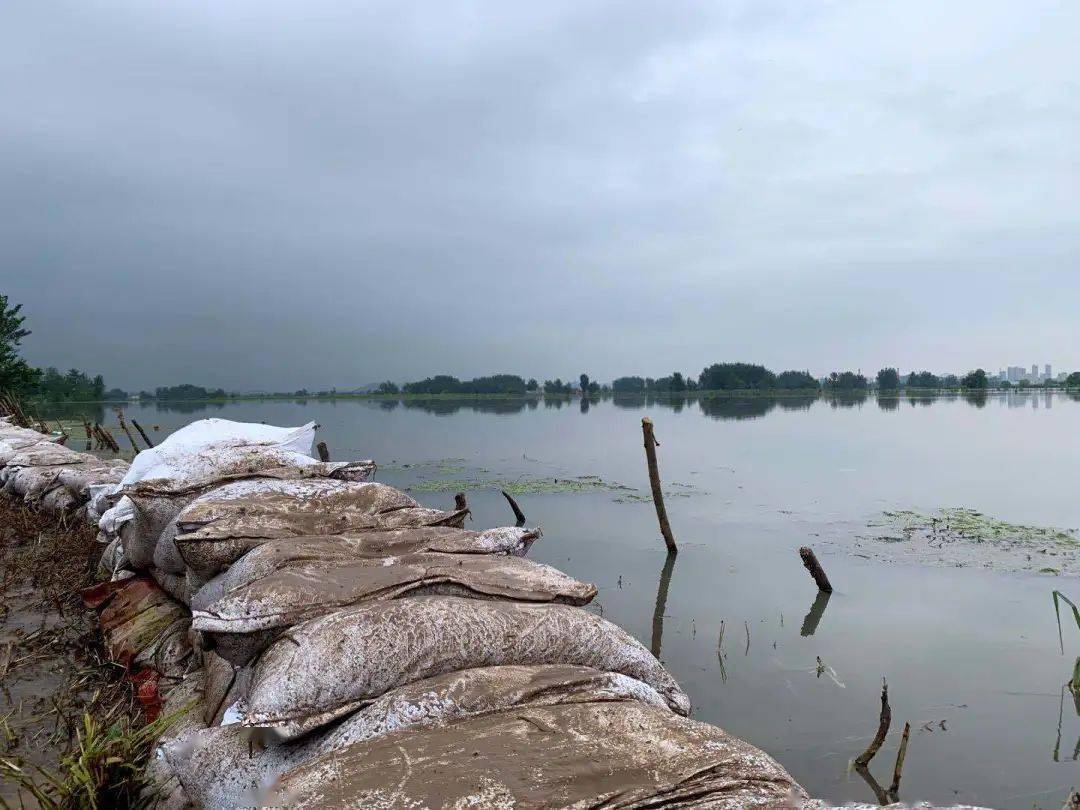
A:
1049, 375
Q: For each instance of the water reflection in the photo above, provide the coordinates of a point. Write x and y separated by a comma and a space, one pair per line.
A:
186, 406
976, 398
817, 610
661, 604
888, 403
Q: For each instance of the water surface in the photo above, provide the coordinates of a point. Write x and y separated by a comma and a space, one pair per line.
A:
971, 655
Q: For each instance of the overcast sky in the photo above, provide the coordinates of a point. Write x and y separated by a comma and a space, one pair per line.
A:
262, 194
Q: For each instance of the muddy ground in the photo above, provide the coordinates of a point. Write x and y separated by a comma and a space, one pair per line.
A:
54, 674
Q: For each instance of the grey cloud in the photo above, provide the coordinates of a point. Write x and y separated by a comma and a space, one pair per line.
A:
259, 194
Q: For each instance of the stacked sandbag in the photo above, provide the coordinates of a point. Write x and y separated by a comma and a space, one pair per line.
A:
218, 527
199, 458
37, 469
353, 647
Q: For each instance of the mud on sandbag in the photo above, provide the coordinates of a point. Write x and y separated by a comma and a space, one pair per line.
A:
140, 621
344, 549
615, 754
218, 528
328, 667
232, 766
246, 619
153, 504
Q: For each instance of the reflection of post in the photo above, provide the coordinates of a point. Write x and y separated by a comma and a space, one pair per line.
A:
654, 482
879, 792
817, 610
661, 604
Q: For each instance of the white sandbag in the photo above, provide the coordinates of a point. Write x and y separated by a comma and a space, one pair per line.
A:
267, 558
245, 620
233, 766
213, 450
611, 754
328, 667
220, 526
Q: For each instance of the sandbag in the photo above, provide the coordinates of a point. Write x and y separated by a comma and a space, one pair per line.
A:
79, 480
182, 707
327, 667
246, 619
344, 549
148, 508
612, 754
211, 451
231, 766
137, 618
216, 529
58, 500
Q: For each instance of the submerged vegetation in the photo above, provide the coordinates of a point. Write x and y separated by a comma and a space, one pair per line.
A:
960, 524
453, 475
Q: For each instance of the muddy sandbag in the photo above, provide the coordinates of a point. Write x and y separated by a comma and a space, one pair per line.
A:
153, 503
345, 549
249, 508
246, 619
211, 451
34, 469
612, 754
223, 688
328, 667
11, 444
232, 766
136, 616
80, 479
218, 528
181, 707
58, 501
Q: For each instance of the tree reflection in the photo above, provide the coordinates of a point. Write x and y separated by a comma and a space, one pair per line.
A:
661, 604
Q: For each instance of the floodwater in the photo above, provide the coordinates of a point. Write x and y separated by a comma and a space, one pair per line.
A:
971, 654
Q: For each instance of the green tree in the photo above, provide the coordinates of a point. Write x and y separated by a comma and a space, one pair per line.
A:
736, 376
16, 375
532, 384
975, 380
888, 379
846, 381
583, 381
1073, 380
388, 387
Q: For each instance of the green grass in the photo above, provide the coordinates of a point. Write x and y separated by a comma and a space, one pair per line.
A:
103, 770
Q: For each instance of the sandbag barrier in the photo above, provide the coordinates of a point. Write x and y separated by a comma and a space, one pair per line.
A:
321, 640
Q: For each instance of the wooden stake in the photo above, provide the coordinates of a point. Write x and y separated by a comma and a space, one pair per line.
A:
123, 424
898, 769
519, 516
142, 433
324, 451
883, 728
809, 559
654, 481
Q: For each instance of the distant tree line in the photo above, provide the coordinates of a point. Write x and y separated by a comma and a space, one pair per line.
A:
445, 384
172, 393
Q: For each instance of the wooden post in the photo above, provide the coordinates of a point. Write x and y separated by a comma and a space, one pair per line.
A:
519, 516
898, 769
324, 451
123, 424
810, 560
142, 433
460, 502
654, 481
884, 721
